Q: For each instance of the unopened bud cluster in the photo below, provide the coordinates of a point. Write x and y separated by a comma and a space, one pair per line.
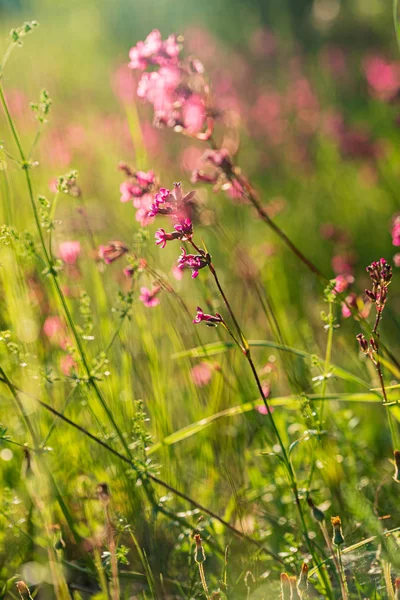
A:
381, 274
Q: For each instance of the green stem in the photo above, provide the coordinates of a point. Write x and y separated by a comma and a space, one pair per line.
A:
396, 21
245, 348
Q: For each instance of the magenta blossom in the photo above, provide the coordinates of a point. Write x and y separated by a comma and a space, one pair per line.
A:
173, 204
112, 251
149, 297
396, 231
210, 320
183, 231
195, 262
69, 252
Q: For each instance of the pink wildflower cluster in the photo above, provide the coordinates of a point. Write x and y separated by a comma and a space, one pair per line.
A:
137, 188
177, 91
175, 205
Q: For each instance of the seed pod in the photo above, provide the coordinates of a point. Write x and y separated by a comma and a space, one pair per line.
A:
337, 538
302, 583
199, 554
316, 512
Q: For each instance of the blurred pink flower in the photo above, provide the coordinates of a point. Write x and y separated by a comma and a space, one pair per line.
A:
201, 374
177, 272
124, 84
69, 252
263, 43
193, 113
396, 260
383, 77
261, 408
396, 231
67, 364
149, 297
154, 51
343, 282
334, 60
112, 251
52, 326
342, 264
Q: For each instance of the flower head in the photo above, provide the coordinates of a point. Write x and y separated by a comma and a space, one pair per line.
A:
338, 538
381, 274
138, 184
149, 297
210, 320
195, 262
342, 282
173, 204
201, 374
112, 251
69, 252
396, 232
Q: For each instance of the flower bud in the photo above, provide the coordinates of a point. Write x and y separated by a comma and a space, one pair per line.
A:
302, 583
103, 493
199, 554
363, 343
337, 538
316, 512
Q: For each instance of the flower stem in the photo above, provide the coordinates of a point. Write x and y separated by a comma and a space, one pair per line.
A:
54, 277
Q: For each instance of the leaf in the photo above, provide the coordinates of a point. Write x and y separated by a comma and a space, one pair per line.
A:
220, 347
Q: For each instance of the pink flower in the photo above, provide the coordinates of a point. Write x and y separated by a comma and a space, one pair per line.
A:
52, 326
154, 51
112, 251
343, 282
149, 297
138, 185
172, 203
201, 374
177, 272
193, 113
210, 320
343, 264
124, 84
396, 260
68, 365
382, 76
195, 262
396, 231
69, 252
